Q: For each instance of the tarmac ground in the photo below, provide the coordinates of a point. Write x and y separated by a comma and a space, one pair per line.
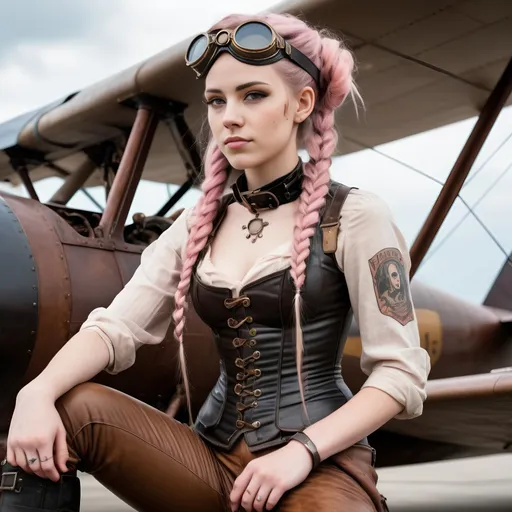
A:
482, 484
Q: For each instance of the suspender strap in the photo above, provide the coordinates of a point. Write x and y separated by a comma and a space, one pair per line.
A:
331, 218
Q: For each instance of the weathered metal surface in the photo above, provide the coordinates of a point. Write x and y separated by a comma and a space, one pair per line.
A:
18, 306
129, 172
73, 182
54, 305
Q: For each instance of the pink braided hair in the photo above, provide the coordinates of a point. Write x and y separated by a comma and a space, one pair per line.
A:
215, 166
318, 132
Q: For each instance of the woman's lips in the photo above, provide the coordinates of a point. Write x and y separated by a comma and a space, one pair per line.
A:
237, 144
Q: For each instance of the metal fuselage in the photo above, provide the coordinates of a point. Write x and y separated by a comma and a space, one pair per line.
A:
52, 277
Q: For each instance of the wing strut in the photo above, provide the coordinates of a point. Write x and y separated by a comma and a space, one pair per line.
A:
461, 168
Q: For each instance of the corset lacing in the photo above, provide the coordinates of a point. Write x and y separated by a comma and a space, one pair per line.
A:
244, 388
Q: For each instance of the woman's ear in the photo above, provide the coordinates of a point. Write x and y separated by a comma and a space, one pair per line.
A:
305, 104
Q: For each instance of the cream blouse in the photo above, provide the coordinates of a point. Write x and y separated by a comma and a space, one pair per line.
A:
391, 353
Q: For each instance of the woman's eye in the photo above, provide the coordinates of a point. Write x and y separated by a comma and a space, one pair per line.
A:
213, 101
255, 96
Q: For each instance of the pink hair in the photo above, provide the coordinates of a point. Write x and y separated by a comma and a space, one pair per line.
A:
336, 65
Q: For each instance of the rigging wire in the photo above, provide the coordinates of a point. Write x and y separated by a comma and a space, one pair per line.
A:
410, 167
470, 210
470, 178
432, 251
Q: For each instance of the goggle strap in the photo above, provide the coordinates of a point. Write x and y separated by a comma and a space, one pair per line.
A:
305, 63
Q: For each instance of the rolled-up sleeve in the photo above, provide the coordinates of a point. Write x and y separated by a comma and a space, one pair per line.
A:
141, 313
374, 257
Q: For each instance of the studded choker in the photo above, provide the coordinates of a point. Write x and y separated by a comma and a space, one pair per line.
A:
282, 190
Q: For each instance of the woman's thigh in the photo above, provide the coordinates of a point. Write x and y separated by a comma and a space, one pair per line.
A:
346, 482
147, 459
327, 489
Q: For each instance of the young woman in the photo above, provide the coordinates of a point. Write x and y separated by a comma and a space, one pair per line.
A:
275, 267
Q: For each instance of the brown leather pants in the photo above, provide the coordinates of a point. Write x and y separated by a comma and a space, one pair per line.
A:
155, 463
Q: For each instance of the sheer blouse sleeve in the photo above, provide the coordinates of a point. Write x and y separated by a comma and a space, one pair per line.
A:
141, 312
373, 255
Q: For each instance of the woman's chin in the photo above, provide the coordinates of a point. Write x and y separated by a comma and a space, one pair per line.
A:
241, 162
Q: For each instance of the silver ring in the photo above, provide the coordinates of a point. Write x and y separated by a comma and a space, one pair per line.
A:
258, 498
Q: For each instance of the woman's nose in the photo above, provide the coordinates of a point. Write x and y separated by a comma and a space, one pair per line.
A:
232, 116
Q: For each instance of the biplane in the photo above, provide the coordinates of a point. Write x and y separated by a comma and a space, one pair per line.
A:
422, 65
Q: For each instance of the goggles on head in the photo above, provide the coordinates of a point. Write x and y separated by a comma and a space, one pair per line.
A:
252, 42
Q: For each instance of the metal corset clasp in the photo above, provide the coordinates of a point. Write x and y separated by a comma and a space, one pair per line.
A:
243, 388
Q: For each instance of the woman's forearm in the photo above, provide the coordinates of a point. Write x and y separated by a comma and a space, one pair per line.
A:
367, 411
79, 360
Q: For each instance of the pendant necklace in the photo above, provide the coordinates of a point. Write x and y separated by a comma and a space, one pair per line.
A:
282, 190
255, 227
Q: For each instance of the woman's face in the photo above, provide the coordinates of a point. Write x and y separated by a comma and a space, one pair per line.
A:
251, 103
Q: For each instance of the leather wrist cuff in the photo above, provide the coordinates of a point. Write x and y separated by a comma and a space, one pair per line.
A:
310, 446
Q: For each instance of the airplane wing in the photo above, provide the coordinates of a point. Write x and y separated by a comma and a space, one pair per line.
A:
421, 65
475, 412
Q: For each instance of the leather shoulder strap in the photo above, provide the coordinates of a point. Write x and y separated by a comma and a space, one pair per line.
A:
330, 222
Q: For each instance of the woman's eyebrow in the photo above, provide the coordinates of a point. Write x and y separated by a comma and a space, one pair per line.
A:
239, 87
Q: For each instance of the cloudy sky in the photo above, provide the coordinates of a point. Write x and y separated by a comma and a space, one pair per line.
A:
49, 48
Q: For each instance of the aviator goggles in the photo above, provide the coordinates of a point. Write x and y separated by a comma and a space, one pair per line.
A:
252, 42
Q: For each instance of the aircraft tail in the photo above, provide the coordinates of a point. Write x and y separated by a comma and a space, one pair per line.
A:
500, 294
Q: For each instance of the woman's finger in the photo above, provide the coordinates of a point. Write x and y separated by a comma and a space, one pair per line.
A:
47, 463
239, 488
261, 497
34, 463
250, 494
10, 457
61, 451
274, 496
20, 460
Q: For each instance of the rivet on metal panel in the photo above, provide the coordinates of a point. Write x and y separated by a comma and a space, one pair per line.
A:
34, 304
33, 269
29, 351
32, 333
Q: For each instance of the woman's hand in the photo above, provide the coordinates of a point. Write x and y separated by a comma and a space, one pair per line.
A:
37, 438
270, 476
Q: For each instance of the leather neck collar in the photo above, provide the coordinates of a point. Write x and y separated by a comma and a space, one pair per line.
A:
282, 190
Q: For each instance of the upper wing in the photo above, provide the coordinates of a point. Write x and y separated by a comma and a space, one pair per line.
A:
414, 76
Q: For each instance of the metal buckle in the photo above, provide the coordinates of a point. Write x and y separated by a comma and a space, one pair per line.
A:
4, 486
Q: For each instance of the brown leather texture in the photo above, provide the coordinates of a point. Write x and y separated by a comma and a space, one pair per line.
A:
155, 463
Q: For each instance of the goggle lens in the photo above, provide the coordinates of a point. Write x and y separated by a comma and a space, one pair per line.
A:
197, 48
253, 36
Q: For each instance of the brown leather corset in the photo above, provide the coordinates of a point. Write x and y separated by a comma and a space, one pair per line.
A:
257, 394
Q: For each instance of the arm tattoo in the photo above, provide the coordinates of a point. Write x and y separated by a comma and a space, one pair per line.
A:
391, 285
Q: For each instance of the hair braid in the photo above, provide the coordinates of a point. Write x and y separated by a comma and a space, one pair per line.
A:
320, 145
204, 214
